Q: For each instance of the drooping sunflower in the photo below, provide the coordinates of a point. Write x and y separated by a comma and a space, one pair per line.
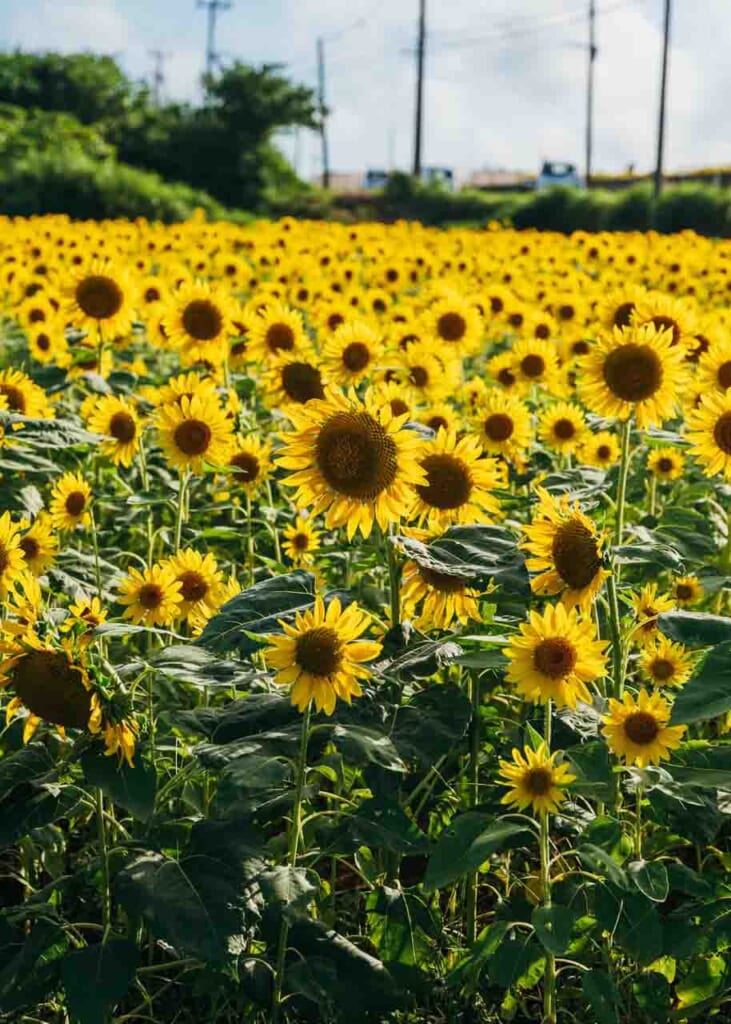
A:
301, 541
352, 352
666, 663
437, 599
119, 731
353, 460
535, 780
250, 464
459, 483
633, 370
39, 543
321, 655
70, 502
277, 330
647, 605
293, 380
116, 419
563, 427
455, 322
100, 298
504, 425
556, 654
152, 596
601, 450
687, 590
23, 396
566, 550
708, 429
638, 730
193, 431
201, 583
198, 319
666, 464
12, 556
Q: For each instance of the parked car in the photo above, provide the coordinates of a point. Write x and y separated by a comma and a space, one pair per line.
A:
557, 172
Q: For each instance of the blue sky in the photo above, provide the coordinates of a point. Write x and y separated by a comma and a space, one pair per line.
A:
505, 78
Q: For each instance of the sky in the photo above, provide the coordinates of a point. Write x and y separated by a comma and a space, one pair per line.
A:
505, 79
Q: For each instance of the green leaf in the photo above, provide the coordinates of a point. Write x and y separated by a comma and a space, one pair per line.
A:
244, 718
633, 920
133, 788
651, 878
553, 927
97, 977
708, 693
467, 843
421, 660
431, 724
602, 863
289, 888
695, 629
381, 823
601, 994
593, 770
361, 745
652, 992
48, 433
25, 765
648, 549
20, 814
401, 926
188, 664
258, 610
513, 960
702, 982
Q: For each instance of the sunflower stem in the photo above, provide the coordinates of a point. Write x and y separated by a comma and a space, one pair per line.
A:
653, 494
295, 828
275, 531
394, 573
549, 977
474, 799
145, 481
180, 511
616, 632
622, 482
250, 553
547, 725
638, 823
104, 857
95, 546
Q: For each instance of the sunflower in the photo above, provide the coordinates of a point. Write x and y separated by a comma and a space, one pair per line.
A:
23, 396
301, 541
714, 368
601, 450
116, 419
709, 431
535, 780
84, 615
566, 550
687, 590
277, 330
535, 362
119, 733
46, 342
70, 502
293, 380
23, 606
38, 543
504, 425
647, 605
198, 319
556, 654
250, 465
184, 385
194, 431
633, 370
353, 459
352, 352
666, 464
617, 308
100, 297
665, 313
562, 427
425, 373
503, 370
201, 583
666, 663
436, 599
395, 396
638, 730
458, 485
455, 323
152, 597
12, 556
321, 656
440, 415
48, 682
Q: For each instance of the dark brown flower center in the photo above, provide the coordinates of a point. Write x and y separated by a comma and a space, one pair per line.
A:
666, 323
665, 465
506, 377
532, 365
542, 331
566, 311
356, 356
30, 548
564, 429
51, 687
555, 657
279, 338
399, 407
122, 427
75, 503
319, 651
538, 781
443, 581
300, 541
202, 320
623, 314
4, 559
43, 342
633, 372
580, 348
662, 669
15, 398
723, 375
302, 382
247, 466
192, 586
604, 452
150, 596
451, 327
641, 727
418, 376
575, 554
335, 320
683, 591
356, 456
435, 422
152, 294
449, 482
192, 437
499, 426
99, 296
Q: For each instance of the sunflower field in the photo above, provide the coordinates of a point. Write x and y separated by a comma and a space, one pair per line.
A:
365, 632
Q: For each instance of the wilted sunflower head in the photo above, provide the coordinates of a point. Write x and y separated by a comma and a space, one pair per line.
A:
49, 684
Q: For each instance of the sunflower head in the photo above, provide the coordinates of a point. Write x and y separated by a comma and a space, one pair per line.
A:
535, 780
637, 729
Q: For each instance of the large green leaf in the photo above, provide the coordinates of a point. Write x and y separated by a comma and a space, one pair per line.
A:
362, 745
186, 663
467, 843
708, 693
695, 629
258, 610
648, 549
703, 981
402, 927
381, 823
651, 878
48, 433
133, 788
553, 927
240, 719
431, 724
97, 977
25, 765
601, 994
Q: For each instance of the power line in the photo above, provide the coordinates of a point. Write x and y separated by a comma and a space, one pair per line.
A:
212, 7
419, 113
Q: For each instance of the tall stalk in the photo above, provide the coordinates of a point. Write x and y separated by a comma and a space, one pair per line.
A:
474, 799
394, 581
613, 581
549, 976
104, 859
180, 512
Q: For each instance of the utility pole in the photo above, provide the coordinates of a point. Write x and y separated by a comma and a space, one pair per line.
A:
158, 74
212, 8
590, 91
323, 111
418, 125
663, 93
